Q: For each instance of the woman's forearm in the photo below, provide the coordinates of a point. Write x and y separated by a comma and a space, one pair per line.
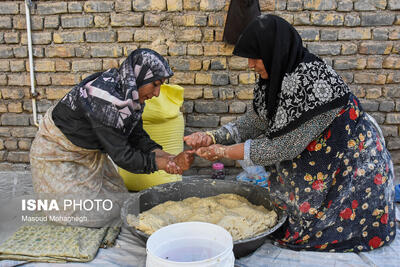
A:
235, 152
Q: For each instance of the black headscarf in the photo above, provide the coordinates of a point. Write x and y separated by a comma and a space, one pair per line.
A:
278, 44
112, 97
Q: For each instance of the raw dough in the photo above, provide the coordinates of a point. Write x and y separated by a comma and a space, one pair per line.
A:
233, 212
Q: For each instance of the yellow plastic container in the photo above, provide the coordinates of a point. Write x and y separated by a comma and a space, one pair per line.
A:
163, 121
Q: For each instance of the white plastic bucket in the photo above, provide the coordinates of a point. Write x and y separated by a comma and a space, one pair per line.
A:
191, 244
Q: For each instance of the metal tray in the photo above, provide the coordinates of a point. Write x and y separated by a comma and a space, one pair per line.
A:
146, 199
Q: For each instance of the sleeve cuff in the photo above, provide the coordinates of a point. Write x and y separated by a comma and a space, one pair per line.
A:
247, 159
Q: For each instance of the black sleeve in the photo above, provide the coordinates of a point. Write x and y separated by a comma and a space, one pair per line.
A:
118, 147
141, 140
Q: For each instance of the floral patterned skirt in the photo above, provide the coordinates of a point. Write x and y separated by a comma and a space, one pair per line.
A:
61, 169
339, 191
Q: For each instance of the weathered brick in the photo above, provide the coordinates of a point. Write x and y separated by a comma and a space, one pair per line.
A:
162, 49
233, 79
319, 5
327, 19
227, 119
394, 34
75, 7
15, 107
218, 50
329, 35
210, 93
38, 51
280, 4
149, 5
309, 34
56, 93
9, 8
62, 65
87, 65
9, 93
368, 19
295, 5
1, 37
64, 79
102, 51
226, 93
219, 79
98, 6
375, 48
18, 156
345, 5
391, 91
146, 35
301, 19
349, 49
193, 93
68, 37
211, 107
185, 64
45, 66
347, 63
76, 21
202, 121
325, 48
191, 5
110, 63
24, 144
122, 20
378, 116
100, 36
125, 35
369, 105
124, 5
247, 78
189, 35
208, 34
216, 20
368, 5
4, 65
244, 93
393, 143
177, 49
1, 147
60, 51
51, 8
237, 107
174, 5
211, 5
187, 107
266, 5
237, 63
195, 49
389, 130
203, 78
370, 78
11, 144
18, 79
38, 38
3, 80
20, 52
393, 77
101, 21
43, 79
152, 19
393, 118
348, 77
17, 65
373, 93
393, 5
354, 34
5, 131
51, 22
380, 34
391, 62
218, 64
374, 62
386, 106
15, 119
183, 78
5, 23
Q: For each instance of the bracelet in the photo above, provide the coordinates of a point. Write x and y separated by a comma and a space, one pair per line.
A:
212, 136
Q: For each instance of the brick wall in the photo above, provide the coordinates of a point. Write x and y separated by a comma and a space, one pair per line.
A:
72, 39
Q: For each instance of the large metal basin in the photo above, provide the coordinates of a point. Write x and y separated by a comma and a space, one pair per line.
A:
146, 199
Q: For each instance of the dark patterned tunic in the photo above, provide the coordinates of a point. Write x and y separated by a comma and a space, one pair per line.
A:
338, 191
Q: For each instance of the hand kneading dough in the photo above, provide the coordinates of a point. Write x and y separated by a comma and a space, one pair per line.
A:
233, 212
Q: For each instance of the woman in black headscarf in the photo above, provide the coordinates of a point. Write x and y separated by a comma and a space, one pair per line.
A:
329, 165
101, 117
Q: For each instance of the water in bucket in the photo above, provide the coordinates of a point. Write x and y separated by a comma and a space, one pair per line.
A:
185, 250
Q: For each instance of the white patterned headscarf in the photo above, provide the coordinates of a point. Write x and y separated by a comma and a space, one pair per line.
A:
112, 97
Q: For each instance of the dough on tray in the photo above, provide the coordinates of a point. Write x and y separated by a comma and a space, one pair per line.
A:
233, 212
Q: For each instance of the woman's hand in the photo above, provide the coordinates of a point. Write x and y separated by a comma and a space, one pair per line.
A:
165, 162
198, 139
184, 159
212, 153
